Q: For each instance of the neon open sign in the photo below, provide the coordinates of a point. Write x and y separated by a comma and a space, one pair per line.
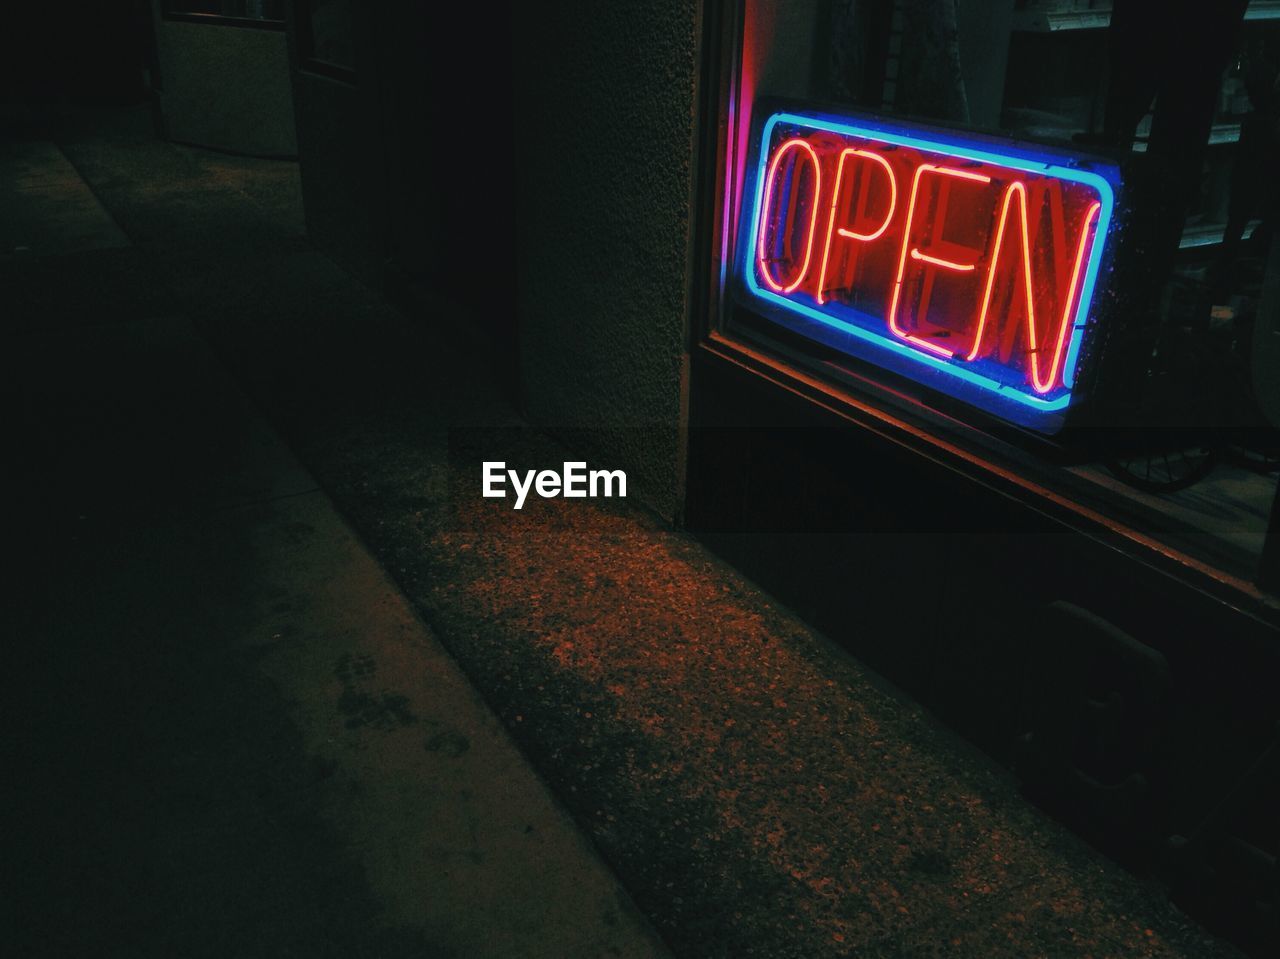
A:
966, 264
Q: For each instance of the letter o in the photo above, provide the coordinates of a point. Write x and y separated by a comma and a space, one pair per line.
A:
765, 211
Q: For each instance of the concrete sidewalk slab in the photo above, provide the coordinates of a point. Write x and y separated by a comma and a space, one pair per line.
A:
235, 737
453, 829
138, 420
48, 208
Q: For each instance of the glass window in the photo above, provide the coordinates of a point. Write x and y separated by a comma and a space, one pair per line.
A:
1043, 226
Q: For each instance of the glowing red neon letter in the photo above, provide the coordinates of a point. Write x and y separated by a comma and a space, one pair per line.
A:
761, 260
1085, 233
1042, 384
1020, 191
916, 254
845, 156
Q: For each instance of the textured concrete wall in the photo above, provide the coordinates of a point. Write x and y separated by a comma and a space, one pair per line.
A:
604, 114
226, 87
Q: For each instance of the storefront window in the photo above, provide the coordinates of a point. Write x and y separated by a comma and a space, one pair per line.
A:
1048, 221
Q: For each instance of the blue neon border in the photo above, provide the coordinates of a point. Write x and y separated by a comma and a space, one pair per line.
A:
1017, 158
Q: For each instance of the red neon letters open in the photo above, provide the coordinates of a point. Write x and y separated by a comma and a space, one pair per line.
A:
970, 261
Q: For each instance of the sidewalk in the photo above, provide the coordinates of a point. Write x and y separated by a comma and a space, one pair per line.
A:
757, 791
